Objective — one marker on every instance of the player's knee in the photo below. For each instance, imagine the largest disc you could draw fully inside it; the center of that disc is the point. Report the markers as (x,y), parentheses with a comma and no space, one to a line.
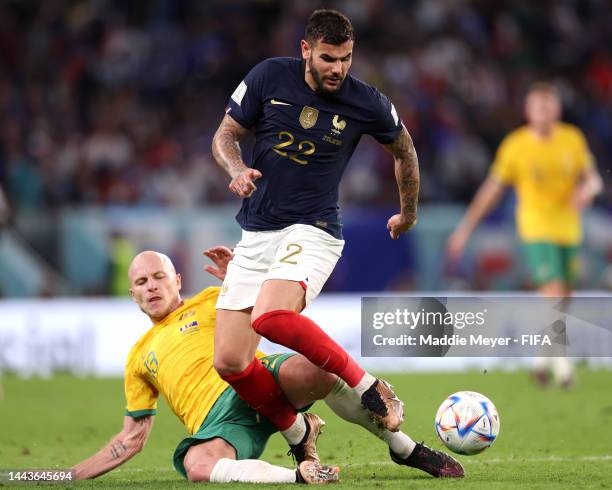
(318,382)
(314,383)
(278,295)
(227,364)
(201,460)
(199,472)
(259,313)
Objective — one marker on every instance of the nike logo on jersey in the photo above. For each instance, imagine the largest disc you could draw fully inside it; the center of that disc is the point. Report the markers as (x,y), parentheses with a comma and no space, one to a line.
(278,102)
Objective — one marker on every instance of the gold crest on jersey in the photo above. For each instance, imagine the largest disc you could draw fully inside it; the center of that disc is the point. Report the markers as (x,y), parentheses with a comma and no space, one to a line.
(308,117)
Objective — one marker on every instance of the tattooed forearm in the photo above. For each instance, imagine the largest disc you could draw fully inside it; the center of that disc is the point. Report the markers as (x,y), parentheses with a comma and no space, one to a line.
(122,447)
(406,173)
(118,449)
(225,146)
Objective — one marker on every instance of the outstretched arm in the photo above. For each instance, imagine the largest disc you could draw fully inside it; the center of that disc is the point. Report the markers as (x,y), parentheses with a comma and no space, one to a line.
(487,197)
(226,150)
(407,176)
(120,449)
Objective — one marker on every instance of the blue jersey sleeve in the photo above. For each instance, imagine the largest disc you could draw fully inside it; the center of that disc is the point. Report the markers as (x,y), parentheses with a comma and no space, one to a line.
(245,104)
(387,125)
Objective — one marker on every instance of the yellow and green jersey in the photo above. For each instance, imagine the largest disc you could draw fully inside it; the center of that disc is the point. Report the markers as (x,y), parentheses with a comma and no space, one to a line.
(545,174)
(175,358)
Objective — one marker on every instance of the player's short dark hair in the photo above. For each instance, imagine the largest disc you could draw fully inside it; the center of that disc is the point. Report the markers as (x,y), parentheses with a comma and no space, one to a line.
(544,87)
(329,26)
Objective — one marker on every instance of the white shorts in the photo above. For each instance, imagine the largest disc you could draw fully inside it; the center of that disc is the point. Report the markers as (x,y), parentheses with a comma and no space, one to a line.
(301,253)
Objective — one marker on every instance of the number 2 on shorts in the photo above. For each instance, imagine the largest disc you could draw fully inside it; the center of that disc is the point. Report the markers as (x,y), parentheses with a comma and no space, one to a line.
(294,249)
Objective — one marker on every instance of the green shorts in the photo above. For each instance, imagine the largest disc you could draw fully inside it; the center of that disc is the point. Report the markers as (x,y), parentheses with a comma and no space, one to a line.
(234,421)
(552,262)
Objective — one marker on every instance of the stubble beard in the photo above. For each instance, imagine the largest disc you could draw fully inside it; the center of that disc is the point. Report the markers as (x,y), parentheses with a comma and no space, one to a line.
(316,76)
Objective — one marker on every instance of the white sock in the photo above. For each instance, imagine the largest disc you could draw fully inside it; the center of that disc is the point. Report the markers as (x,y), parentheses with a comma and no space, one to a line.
(541,363)
(363,385)
(251,471)
(296,432)
(399,443)
(563,369)
(347,405)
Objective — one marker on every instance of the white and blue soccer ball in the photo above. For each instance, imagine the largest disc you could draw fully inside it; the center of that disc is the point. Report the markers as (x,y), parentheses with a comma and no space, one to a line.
(467,422)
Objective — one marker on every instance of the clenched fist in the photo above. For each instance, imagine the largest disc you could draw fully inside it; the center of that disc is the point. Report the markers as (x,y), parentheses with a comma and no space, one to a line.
(242,185)
(399,224)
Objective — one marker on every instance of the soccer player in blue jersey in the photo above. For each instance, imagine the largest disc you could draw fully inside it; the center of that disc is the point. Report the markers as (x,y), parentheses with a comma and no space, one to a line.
(308,116)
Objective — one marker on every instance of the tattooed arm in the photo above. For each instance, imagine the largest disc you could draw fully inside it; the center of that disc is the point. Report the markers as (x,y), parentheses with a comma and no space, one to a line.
(226,150)
(121,448)
(407,176)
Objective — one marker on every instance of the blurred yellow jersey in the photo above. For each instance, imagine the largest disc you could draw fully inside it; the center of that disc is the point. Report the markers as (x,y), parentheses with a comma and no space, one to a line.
(545,174)
(175,358)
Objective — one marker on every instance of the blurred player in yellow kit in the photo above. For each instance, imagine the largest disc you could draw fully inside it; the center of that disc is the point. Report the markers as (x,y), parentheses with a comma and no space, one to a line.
(549,164)
(175,358)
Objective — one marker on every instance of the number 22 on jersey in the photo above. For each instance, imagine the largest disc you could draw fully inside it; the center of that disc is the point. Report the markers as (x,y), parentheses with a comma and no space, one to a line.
(304,148)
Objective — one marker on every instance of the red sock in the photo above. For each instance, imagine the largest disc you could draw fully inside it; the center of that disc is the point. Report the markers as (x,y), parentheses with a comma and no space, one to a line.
(301,334)
(257,387)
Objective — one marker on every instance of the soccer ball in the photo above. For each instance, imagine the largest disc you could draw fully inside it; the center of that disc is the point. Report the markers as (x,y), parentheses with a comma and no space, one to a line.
(467,422)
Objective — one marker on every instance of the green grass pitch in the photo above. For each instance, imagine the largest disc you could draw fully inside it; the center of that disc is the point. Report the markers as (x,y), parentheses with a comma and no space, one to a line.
(548,439)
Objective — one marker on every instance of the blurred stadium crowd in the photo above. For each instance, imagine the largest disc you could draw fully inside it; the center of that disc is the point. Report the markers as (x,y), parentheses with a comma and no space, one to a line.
(115,102)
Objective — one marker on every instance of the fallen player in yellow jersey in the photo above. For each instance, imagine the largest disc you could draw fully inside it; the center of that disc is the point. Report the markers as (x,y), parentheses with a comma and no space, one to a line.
(175,358)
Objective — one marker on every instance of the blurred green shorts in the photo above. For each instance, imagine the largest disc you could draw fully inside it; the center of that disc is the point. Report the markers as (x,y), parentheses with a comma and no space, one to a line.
(552,262)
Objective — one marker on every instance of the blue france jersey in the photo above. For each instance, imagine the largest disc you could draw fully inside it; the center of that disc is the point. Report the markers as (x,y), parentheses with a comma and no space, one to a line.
(303,142)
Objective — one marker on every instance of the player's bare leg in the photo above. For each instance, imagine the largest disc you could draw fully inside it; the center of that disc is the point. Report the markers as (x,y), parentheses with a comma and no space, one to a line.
(231,358)
(200,460)
(236,363)
(303,382)
(215,461)
(276,317)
